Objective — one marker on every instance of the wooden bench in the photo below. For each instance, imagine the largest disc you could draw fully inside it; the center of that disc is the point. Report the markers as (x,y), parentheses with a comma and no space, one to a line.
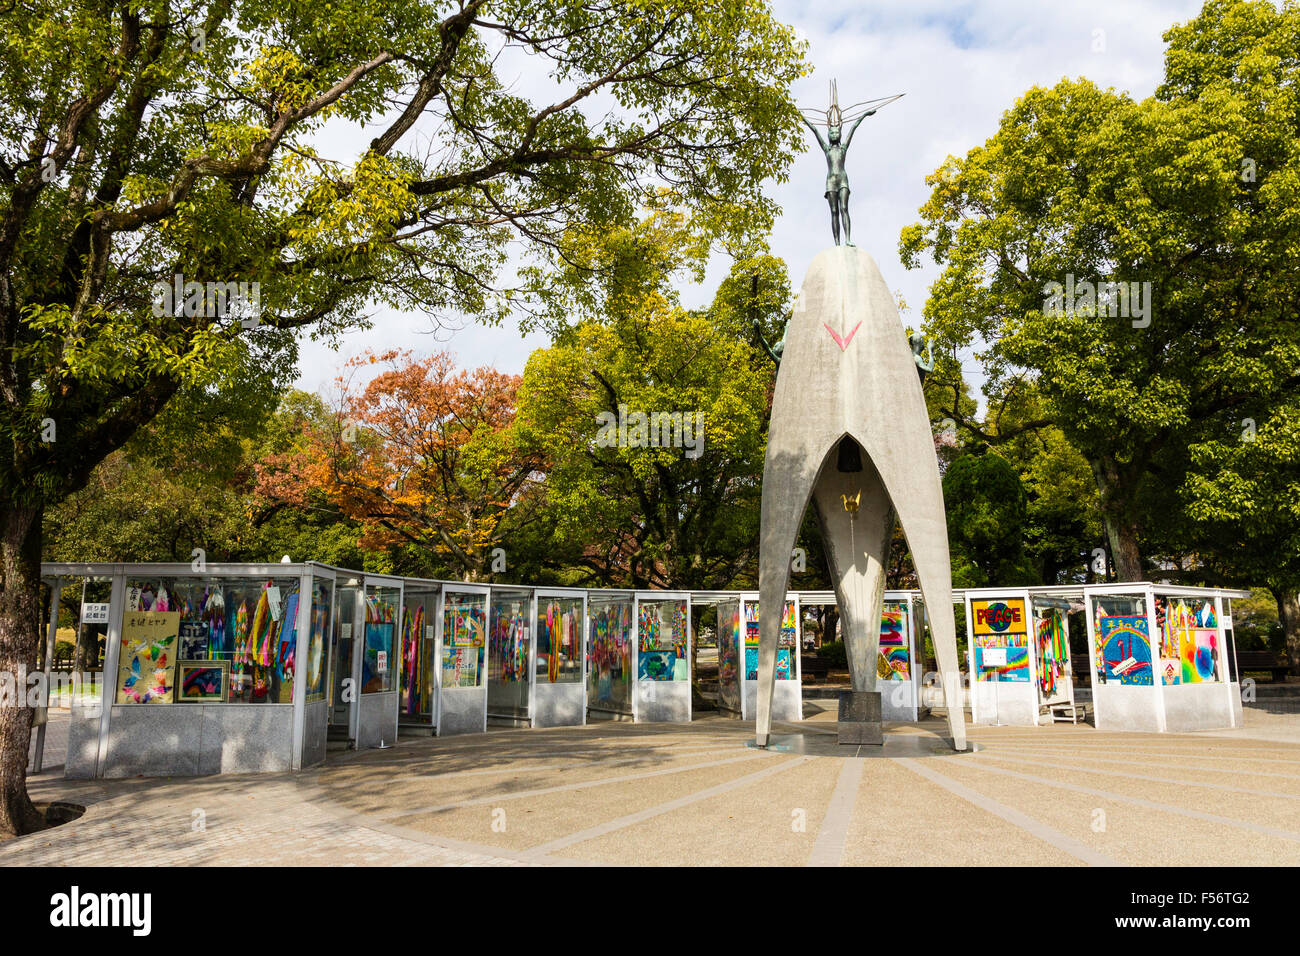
(1261,661)
(814,668)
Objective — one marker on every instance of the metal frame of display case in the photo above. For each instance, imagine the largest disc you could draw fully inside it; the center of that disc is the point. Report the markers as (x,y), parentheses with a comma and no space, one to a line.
(96,748)
(787,695)
(355,583)
(433,589)
(528,598)
(667,701)
(300,729)
(443,729)
(901,699)
(723,603)
(377,720)
(557,705)
(1214,704)
(597,598)
(1000,702)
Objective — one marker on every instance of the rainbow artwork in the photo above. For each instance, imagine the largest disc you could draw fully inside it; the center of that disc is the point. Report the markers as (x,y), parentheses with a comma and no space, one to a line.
(1189,642)
(892,664)
(203,681)
(893,661)
(1199,654)
(1053,652)
(1124,650)
(1015,670)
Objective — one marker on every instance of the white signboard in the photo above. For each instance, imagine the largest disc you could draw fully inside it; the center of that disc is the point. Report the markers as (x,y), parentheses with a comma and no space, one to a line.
(994,657)
(383,661)
(94,614)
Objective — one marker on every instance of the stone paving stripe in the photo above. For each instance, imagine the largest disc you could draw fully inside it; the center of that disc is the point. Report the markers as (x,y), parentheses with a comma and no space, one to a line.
(1071,768)
(1235,771)
(630,760)
(343,815)
(1053,837)
(542,791)
(1138,801)
(1172,752)
(619,823)
(831,835)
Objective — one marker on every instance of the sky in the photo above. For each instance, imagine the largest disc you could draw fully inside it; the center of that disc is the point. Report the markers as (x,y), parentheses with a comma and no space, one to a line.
(960,64)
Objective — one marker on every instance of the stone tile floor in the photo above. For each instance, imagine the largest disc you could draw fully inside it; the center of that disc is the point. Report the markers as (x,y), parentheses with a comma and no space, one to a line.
(697,795)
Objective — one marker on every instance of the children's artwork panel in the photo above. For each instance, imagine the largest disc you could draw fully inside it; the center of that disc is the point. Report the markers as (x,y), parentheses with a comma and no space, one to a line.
(788,642)
(662,641)
(893,662)
(146,668)
(1000,633)
(203,682)
(1123,648)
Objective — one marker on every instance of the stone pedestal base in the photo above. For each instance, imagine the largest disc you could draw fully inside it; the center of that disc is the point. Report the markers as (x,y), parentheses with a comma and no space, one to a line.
(859,718)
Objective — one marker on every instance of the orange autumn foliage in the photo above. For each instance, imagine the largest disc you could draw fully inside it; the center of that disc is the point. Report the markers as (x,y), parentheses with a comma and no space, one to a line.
(423,454)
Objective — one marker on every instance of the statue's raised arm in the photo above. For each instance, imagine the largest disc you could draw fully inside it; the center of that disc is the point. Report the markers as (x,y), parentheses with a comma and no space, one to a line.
(815,131)
(854,128)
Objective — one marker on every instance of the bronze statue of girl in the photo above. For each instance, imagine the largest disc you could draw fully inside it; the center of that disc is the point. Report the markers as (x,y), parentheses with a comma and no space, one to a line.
(837,179)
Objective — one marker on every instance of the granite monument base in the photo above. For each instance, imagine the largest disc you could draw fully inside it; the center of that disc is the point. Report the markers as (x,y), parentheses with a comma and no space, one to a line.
(859,718)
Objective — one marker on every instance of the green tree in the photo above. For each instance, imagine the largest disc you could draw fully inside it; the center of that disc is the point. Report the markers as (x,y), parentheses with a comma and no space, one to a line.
(625,509)
(1241,497)
(1195,191)
(168,493)
(985,504)
(141,142)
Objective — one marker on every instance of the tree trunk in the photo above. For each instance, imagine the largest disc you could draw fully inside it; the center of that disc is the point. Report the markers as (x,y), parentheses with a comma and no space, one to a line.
(1121,526)
(1288,613)
(829,624)
(1125,555)
(20,626)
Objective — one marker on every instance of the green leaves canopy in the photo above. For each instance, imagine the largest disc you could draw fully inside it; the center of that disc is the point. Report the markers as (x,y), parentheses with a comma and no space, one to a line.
(1195,190)
(145,140)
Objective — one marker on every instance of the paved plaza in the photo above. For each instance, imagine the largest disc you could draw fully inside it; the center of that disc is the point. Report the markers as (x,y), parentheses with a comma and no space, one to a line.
(696,794)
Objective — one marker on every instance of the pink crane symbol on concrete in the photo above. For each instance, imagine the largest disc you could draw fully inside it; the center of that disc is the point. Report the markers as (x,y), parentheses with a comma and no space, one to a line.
(843,343)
